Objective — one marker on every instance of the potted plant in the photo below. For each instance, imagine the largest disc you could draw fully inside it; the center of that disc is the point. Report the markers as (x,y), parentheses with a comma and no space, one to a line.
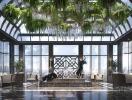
(19,65)
(115,65)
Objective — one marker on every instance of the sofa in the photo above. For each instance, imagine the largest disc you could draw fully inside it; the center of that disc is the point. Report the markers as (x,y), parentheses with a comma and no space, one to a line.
(32,78)
(121,80)
(12,79)
(97,77)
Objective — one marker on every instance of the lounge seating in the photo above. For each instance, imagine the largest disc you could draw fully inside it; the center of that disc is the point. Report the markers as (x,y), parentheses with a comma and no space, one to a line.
(121,80)
(12,79)
(96,77)
(6,80)
(32,78)
(128,78)
(49,77)
(118,80)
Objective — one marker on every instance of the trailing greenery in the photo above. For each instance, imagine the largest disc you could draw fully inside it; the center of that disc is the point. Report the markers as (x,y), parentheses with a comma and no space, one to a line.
(86,27)
(32,3)
(63,14)
(107,3)
(60,3)
(19,65)
(119,12)
(12,12)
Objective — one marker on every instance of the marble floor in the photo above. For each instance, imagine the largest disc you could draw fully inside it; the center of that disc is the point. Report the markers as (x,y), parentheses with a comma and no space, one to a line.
(97,92)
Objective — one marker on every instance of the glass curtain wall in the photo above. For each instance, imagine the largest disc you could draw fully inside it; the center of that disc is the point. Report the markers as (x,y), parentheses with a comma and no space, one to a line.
(65,50)
(114,52)
(115,57)
(127,57)
(96,58)
(37,59)
(4,57)
(16,53)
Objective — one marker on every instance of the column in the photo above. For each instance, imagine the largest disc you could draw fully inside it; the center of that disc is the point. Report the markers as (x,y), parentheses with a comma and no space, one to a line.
(11,58)
(109,62)
(80,51)
(51,58)
(80,58)
(119,57)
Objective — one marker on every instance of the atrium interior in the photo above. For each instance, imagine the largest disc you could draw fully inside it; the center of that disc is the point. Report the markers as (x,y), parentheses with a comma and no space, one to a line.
(66,49)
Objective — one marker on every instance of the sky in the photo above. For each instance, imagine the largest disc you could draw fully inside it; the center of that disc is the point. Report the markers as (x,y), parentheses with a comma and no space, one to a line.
(127,2)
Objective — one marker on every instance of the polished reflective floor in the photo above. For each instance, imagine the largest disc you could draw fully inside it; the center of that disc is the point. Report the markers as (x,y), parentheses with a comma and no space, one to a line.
(42,94)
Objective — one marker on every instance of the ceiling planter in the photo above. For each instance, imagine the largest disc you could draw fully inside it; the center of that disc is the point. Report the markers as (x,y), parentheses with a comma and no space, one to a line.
(65,15)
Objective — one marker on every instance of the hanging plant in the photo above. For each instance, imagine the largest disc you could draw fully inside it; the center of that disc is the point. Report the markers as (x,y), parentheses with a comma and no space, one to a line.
(30,23)
(106,3)
(11,12)
(35,25)
(86,27)
(55,20)
(60,4)
(32,3)
(70,8)
(65,26)
(47,8)
(77,17)
(80,1)
(119,12)
(57,13)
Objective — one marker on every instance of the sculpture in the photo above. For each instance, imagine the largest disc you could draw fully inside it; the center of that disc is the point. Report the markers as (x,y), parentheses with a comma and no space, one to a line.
(80,69)
(49,77)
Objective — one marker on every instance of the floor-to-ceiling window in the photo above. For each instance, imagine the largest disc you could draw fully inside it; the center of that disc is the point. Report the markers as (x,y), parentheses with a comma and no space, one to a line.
(36,59)
(65,50)
(4,57)
(16,54)
(114,52)
(96,58)
(127,57)
(115,60)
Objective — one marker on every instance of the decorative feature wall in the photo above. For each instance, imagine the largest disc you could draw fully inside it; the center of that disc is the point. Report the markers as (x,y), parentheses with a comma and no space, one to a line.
(66,66)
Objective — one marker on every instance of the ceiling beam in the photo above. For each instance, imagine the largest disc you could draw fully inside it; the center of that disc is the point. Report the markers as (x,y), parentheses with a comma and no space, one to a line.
(125,37)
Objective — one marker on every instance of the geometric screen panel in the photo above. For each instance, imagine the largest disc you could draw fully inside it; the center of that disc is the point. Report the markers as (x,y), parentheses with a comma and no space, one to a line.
(66,66)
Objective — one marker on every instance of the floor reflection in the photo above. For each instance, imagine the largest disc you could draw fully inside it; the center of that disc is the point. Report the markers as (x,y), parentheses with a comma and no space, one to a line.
(65,95)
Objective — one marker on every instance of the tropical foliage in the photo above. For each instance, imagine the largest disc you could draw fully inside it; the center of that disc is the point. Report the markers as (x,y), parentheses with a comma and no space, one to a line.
(114,65)
(19,65)
(64,14)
